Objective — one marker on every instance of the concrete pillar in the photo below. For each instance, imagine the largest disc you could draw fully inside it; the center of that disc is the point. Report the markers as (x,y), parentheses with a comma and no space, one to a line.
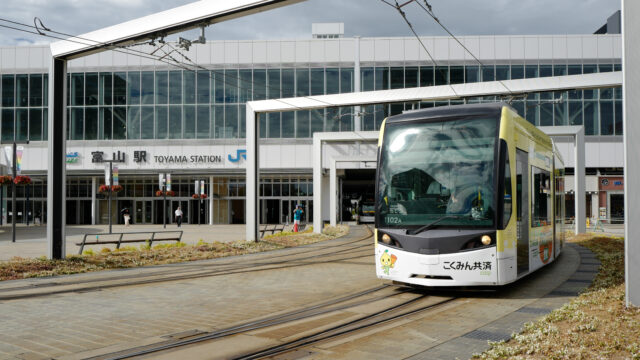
(631,88)
(93,200)
(333,194)
(56,172)
(210,200)
(253,175)
(579,178)
(317,183)
(357,119)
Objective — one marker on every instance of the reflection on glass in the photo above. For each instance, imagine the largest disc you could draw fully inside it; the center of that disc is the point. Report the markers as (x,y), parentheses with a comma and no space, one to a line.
(430,170)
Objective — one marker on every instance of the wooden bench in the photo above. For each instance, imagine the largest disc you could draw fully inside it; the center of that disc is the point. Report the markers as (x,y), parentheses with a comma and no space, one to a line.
(271,228)
(124,238)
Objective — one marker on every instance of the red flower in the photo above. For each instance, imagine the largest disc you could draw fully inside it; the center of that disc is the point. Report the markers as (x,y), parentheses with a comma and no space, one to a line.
(203,196)
(105,188)
(22,180)
(5,179)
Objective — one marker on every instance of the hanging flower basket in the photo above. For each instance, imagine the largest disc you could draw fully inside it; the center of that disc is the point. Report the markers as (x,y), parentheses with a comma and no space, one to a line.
(203,196)
(168,193)
(22,180)
(5,180)
(199,196)
(105,188)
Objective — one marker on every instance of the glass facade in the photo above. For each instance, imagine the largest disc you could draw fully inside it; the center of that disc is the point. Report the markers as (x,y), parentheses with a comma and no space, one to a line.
(181,104)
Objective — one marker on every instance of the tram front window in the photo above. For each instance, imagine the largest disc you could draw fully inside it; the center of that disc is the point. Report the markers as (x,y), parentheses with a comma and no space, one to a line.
(438,171)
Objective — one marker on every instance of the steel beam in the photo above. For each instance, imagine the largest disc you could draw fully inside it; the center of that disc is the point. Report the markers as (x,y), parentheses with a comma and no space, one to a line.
(56,177)
(631,88)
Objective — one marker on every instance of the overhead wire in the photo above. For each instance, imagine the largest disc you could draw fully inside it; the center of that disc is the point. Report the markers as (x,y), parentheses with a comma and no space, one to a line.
(173,62)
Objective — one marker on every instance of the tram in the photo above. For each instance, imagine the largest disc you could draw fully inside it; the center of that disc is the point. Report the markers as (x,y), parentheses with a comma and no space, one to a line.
(467,195)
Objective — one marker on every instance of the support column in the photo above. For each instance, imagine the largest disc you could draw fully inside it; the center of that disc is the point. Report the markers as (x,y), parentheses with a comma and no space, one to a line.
(56,176)
(333,194)
(210,200)
(579,178)
(357,126)
(253,175)
(93,200)
(317,183)
(631,88)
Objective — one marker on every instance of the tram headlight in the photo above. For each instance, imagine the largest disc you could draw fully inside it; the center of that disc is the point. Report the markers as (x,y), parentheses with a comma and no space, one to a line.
(386,239)
(486,240)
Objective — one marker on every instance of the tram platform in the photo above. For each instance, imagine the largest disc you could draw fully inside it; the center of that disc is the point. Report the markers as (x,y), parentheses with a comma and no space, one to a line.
(83,322)
(31,241)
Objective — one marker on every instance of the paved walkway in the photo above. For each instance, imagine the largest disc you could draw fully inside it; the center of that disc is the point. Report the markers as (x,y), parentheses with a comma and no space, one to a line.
(31,241)
(83,323)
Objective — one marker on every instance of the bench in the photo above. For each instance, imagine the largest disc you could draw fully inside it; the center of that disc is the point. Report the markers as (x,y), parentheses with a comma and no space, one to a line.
(124,238)
(271,228)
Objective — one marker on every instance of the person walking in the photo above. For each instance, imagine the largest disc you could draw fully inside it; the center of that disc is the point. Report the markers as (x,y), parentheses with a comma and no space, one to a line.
(126,216)
(178,214)
(297,215)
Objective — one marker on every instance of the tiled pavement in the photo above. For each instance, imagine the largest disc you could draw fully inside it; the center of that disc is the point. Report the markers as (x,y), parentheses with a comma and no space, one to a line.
(63,325)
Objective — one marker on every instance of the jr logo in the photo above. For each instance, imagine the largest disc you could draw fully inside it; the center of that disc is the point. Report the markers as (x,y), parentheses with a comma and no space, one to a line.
(241,153)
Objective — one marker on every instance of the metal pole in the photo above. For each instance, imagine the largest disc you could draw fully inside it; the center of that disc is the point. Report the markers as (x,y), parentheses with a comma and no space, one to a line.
(1,203)
(109,189)
(27,205)
(13,193)
(164,203)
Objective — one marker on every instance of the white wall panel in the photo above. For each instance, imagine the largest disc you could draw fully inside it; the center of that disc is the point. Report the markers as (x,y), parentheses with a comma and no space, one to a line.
(531,47)
(396,50)
(545,47)
(502,51)
(429,43)
(592,155)
(37,58)
(317,51)
(287,51)
(473,44)
(456,51)
(559,47)
(605,47)
(347,50)
(516,45)
(217,52)
(259,52)
(589,47)
(302,51)
(440,48)
(231,52)
(382,50)
(245,52)
(22,57)
(203,54)
(106,58)
(574,46)
(367,50)
(487,48)
(274,52)
(331,51)
(411,50)
(617,47)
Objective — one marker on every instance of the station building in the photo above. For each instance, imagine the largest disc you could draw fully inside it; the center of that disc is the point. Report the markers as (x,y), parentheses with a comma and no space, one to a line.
(188,120)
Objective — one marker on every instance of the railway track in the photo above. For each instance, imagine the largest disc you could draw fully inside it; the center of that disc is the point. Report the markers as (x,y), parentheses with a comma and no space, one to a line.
(307,255)
(347,316)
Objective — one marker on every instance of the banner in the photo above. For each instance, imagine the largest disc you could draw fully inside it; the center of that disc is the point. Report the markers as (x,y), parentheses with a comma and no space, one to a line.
(197,187)
(168,182)
(8,152)
(115,176)
(107,178)
(160,180)
(19,151)
(201,187)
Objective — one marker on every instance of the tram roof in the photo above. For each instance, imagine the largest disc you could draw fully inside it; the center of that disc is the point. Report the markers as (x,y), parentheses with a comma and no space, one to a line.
(491,109)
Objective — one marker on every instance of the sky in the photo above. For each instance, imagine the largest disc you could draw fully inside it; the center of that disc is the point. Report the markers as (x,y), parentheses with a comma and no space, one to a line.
(367,18)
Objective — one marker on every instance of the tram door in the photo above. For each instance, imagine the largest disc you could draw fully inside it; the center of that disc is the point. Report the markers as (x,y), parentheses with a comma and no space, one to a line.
(522,210)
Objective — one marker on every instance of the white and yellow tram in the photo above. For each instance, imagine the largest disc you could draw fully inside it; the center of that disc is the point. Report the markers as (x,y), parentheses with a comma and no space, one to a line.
(466,195)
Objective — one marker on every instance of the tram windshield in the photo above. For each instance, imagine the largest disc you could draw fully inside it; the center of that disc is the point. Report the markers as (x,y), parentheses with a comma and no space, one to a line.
(437,171)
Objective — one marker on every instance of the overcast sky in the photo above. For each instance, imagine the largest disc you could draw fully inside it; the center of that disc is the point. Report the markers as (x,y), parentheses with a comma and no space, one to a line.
(361,17)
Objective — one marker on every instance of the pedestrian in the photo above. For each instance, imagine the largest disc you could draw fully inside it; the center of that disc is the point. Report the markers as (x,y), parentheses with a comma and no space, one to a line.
(297,215)
(126,216)
(178,216)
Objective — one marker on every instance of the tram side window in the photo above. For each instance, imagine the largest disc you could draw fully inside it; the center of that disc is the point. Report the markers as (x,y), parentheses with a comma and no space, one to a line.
(541,198)
(506,216)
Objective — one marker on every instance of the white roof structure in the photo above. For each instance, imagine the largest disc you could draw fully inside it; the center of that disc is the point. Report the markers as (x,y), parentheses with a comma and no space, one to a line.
(444,92)
(201,13)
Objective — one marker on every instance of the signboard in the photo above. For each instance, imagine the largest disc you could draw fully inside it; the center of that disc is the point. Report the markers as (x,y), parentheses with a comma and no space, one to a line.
(19,151)
(168,182)
(603,213)
(201,187)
